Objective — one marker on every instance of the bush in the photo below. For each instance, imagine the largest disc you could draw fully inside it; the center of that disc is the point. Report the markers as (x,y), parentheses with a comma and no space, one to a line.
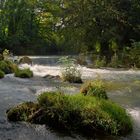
(23,73)
(133,55)
(100,62)
(70,71)
(7,66)
(75,112)
(95,88)
(1,74)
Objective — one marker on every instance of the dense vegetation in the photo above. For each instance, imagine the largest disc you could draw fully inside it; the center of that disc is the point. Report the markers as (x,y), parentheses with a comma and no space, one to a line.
(74,112)
(106,27)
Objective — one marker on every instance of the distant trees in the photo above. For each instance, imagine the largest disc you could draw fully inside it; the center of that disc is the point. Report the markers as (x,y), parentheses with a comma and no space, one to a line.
(41,26)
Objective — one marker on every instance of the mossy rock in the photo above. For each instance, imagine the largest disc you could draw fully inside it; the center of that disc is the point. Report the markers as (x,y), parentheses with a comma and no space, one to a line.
(23,73)
(25,60)
(95,88)
(74,112)
(72,79)
(7,66)
(1,74)
(22,111)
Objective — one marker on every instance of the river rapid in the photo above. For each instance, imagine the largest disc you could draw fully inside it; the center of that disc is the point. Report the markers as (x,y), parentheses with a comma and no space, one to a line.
(15,90)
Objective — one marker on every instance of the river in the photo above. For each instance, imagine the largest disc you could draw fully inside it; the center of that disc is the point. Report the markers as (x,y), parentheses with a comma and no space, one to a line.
(15,90)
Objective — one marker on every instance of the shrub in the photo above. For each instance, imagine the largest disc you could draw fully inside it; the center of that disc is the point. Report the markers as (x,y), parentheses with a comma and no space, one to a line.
(70,71)
(74,112)
(23,73)
(100,62)
(133,55)
(95,88)
(7,66)
(2,74)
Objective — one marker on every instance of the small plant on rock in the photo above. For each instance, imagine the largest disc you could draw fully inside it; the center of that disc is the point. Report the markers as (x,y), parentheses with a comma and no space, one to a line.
(70,71)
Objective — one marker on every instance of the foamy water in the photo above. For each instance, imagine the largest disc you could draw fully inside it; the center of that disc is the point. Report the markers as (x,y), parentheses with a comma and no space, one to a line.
(87,73)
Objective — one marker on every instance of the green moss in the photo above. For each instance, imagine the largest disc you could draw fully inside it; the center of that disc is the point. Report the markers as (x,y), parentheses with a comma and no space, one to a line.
(23,73)
(95,88)
(1,74)
(7,66)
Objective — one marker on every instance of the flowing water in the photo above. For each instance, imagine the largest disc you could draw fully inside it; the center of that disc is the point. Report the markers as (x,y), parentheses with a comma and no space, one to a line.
(15,90)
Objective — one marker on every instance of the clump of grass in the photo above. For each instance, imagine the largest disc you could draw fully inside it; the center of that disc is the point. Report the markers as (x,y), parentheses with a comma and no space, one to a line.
(95,88)
(74,112)
(23,73)
(1,74)
(79,112)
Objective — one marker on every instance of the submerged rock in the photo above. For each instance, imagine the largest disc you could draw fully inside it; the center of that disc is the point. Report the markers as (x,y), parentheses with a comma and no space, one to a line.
(25,60)
(57,77)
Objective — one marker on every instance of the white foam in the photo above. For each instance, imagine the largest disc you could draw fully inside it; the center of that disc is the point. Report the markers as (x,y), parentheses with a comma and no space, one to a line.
(42,70)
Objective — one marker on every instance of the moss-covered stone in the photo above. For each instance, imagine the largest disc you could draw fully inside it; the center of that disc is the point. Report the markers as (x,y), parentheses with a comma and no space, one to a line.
(22,111)
(26,60)
(23,73)
(71,79)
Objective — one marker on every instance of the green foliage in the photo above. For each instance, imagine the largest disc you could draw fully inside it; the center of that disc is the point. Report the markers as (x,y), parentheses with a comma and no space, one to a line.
(95,89)
(68,26)
(113,45)
(1,74)
(6,54)
(79,111)
(23,73)
(100,62)
(70,71)
(134,55)
(7,66)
